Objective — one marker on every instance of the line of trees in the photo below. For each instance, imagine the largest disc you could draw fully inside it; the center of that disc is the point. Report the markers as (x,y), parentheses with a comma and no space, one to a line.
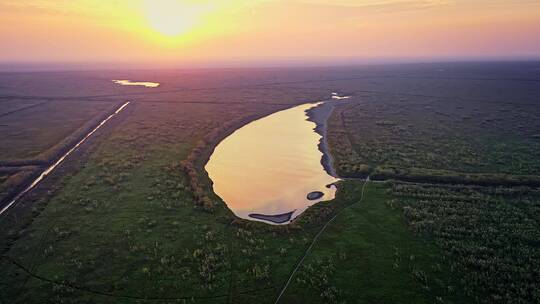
(192,170)
(196,186)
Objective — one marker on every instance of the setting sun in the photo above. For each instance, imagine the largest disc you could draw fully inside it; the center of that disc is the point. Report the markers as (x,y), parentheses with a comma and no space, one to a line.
(270,151)
(172,18)
(188,32)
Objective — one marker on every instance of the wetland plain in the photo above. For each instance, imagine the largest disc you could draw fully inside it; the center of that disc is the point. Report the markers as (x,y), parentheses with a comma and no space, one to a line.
(136,214)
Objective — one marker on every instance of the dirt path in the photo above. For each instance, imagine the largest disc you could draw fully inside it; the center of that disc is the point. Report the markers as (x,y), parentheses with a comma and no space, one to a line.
(315,240)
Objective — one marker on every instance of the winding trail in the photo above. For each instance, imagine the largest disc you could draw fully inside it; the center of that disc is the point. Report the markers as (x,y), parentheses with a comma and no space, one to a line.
(60,160)
(315,240)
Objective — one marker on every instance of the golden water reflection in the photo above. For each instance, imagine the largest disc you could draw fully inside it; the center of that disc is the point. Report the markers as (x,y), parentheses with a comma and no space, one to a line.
(126,82)
(270,165)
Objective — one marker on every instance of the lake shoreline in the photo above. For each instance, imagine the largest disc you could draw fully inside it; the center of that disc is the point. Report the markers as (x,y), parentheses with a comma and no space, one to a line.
(320,115)
(202,159)
(309,143)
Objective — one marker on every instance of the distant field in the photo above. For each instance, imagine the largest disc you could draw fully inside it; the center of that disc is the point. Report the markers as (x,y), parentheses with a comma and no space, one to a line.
(28,133)
(423,135)
(132,218)
(36,131)
(10,106)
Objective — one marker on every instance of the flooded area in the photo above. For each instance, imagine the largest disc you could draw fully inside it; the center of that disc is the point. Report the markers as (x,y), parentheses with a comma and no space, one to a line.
(266,169)
(146,84)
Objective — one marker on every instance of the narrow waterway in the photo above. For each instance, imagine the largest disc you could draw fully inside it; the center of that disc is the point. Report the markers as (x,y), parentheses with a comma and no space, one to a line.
(49,169)
(266,169)
(146,84)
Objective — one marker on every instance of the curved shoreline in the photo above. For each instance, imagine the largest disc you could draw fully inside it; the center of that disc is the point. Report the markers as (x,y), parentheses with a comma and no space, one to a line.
(209,144)
(230,128)
(320,115)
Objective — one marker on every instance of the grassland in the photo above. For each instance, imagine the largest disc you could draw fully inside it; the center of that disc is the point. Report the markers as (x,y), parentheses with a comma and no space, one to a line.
(369,256)
(142,236)
(473,170)
(423,138)
(132,218)
(37,131)
(491,235)
(126,226)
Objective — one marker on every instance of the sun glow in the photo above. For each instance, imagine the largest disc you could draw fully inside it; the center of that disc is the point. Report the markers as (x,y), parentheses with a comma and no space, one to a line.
(249,31)
(173,17)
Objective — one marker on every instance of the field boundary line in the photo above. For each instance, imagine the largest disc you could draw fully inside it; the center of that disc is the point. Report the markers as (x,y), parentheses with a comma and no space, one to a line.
(23,108)
(111,295)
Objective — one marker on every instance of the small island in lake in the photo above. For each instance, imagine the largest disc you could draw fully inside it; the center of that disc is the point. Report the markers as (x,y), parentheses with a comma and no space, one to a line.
(314,195)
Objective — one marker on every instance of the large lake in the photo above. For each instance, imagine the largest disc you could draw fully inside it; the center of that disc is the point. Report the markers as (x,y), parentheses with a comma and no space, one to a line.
(270,165)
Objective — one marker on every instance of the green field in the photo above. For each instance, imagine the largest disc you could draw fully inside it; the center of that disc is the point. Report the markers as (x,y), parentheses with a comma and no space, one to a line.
(131,217)
(463,141)
(126,225)
(30,133)
(490,234)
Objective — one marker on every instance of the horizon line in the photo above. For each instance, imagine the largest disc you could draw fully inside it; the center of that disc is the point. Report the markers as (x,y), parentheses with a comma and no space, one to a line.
(58,66)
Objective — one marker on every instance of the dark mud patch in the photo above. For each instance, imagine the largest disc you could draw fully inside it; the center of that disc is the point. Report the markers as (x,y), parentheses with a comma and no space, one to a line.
(276,218)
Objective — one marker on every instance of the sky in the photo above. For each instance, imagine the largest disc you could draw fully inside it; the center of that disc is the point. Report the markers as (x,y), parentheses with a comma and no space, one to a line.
(206,32)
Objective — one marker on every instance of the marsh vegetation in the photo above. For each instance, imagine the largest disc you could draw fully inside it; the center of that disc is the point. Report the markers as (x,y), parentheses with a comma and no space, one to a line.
(489,235)
(132,218)
(426,139)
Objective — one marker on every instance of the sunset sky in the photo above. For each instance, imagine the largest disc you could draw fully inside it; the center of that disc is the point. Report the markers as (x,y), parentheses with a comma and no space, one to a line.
(257,31)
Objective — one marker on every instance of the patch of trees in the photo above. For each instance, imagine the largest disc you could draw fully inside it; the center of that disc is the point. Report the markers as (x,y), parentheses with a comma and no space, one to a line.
(441,176)
(196,186)
(317,276)
(489,235)
(191,170)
